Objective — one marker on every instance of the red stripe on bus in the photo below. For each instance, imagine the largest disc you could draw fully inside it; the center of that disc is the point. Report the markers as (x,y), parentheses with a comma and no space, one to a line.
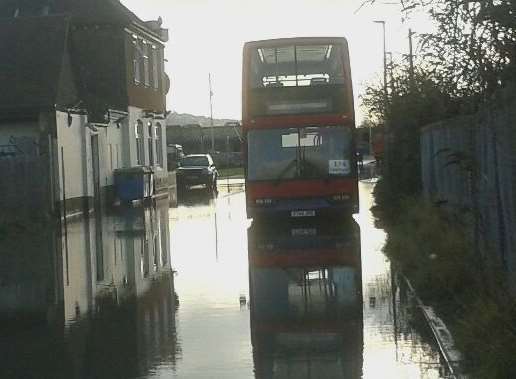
(297,120)
(300,188)
(300,258)
(304,326)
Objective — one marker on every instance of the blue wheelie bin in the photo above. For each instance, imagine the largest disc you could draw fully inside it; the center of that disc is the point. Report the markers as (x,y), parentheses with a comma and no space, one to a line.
(134,183)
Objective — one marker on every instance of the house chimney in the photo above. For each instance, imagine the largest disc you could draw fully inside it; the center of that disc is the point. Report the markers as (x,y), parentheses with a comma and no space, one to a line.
(155,26)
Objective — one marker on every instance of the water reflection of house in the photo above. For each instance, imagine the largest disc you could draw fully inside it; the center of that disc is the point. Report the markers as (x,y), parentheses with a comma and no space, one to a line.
(83,95)
(65,275)
(306,303)
(135,256)
(133,304)
(128,341)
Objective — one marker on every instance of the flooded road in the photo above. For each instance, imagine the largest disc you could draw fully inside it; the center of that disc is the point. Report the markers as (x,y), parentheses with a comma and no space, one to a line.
(397,344)
(199,291)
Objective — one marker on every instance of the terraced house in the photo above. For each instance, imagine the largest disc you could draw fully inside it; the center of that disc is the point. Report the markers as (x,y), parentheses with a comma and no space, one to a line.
(83,90)
(83,94)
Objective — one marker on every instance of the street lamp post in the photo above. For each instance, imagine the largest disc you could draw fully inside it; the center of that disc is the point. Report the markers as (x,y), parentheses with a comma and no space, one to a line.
(390,71)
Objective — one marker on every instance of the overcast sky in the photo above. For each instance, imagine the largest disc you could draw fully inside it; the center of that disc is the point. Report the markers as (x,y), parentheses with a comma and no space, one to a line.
(208,36)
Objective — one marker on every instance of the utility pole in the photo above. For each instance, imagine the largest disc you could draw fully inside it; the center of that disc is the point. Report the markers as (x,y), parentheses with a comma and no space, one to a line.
(411,59)
(370,127)
(385,100)
(384,63)
(211,115)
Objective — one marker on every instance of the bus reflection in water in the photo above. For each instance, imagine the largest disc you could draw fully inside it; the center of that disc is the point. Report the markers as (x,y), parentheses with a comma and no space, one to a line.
(306,301)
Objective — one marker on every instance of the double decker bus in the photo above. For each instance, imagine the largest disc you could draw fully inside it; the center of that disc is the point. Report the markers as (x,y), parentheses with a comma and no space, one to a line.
(298,122)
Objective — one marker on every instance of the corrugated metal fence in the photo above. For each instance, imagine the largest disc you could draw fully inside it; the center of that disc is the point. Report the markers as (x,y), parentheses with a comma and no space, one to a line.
(470,164)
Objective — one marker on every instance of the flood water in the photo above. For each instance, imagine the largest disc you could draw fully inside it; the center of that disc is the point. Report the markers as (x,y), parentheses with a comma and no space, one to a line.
(199,291)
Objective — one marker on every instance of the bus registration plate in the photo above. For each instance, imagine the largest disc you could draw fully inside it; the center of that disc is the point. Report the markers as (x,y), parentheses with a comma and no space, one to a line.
(304,232)
(310,213)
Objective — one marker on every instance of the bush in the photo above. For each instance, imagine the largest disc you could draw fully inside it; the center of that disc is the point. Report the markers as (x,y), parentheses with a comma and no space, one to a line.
(432,248)
(486,334)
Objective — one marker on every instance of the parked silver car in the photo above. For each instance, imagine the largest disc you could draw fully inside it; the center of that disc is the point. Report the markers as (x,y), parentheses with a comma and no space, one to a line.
(197,169)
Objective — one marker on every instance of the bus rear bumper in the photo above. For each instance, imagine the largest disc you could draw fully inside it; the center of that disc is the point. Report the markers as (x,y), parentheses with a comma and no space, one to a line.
(303,212)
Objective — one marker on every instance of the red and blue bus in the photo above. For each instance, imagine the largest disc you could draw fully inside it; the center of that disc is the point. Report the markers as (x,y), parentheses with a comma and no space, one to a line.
(298,122)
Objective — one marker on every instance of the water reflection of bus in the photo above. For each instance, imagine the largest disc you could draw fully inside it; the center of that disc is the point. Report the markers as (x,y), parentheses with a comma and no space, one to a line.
(298,120)
(306,303)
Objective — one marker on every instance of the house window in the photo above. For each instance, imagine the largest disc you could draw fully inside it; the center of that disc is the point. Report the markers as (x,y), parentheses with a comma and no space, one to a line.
(136,60)
(151,65)
(150,142)
(155,67)
(139,142)
(159,145)
(141,60)
(145,59)
(145,264)
(157,253)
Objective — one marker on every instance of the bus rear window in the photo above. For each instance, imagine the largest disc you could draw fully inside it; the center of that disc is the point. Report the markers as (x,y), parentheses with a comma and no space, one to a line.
(296,66)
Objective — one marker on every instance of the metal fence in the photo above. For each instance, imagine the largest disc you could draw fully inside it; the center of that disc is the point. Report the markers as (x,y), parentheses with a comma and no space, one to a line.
(24,186)
(469,163)
(27,257)
(227,144)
